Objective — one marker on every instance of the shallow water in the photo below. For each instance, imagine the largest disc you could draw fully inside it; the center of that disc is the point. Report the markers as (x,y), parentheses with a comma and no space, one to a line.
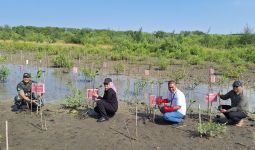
(57,86)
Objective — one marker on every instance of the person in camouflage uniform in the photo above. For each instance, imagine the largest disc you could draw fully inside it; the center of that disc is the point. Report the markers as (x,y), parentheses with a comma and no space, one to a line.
(24,92)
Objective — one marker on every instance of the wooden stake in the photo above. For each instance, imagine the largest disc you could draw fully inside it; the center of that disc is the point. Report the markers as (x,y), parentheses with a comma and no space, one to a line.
(136,121)
(41,119)
(7,142)
(199,116)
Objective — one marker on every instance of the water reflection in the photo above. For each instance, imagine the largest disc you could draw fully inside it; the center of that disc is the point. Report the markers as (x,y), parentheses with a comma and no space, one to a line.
(57,85)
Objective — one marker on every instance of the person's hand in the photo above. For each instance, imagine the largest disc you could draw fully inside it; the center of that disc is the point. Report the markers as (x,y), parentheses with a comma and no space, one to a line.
(95,94)
(160,101)
(223,110)
(39,94)
(168,108)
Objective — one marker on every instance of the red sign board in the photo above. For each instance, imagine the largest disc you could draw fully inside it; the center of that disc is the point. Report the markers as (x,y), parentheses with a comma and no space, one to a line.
(152,100)
(38,88)
(90,92)
(211,71)
(104,64)
(75,70)
(146,72)
(211,97)
(212,79)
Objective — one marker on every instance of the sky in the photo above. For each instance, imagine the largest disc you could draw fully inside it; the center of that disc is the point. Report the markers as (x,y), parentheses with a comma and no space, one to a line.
(212,16)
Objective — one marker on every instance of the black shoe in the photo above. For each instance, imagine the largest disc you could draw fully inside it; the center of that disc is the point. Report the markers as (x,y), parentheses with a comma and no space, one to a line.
(102,119)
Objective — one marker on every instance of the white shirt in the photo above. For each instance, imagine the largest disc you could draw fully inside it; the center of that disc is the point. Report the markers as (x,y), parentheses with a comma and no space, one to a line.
(178,99)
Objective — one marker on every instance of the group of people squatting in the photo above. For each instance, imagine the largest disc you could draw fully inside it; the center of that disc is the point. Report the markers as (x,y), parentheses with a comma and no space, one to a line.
(173,107)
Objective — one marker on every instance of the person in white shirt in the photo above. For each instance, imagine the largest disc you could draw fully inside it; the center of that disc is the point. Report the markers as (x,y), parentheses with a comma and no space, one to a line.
(175,109)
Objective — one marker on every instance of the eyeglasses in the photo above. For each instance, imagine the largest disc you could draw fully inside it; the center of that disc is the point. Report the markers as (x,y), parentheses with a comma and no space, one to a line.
(170,87)
(235,86)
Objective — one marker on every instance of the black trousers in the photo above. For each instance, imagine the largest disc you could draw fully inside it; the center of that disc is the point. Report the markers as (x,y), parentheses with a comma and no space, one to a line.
(235,116)
(104,109)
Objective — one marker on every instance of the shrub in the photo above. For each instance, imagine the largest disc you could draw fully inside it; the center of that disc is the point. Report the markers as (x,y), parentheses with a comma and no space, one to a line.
(163,63)
(210,129)
(74,99)
(119,67)
(62,61)
(195,60)
(90,73)
(3,58)
(39,55)
(4,72)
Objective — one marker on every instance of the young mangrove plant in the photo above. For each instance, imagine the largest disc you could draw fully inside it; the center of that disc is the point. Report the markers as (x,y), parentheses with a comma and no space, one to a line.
(178,74)
(3,58)
(210,129)
(61,61)
(4,73)
(163,63)
(89,73)
(74,99)
(119,67)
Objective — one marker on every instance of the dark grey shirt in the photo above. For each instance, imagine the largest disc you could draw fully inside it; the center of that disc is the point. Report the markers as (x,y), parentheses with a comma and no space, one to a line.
(238,101)
(25,87)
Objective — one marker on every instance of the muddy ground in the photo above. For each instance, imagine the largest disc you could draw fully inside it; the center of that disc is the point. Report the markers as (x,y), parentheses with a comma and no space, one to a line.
(67,131)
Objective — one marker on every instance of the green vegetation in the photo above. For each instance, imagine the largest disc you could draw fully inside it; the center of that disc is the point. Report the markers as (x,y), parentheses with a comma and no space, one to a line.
(4,72)
(74,99)
(3,58)
(62,61)
(159,49)
(210,129)
(89,73)
(1,138)
(119,67)
(39,73)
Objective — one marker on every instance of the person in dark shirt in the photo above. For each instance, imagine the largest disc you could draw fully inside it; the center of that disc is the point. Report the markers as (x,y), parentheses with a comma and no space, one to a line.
(107,105)
(238,109)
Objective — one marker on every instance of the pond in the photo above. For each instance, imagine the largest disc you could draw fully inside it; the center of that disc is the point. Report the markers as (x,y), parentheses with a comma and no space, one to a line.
(57,86)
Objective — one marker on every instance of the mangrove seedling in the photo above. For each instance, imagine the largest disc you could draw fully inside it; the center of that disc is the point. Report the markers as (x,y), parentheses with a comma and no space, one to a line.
(210,129)
(4,73)
(119,67)
(74,99)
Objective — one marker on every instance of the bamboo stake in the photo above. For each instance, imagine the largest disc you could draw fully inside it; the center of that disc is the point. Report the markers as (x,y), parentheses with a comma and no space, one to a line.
(136,121)
(31,101)
(7,142)
(41,119)
(45,125)
(199,116)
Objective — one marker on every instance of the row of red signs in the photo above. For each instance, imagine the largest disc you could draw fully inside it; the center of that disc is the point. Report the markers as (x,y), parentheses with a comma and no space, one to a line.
(40,88)
(211,97)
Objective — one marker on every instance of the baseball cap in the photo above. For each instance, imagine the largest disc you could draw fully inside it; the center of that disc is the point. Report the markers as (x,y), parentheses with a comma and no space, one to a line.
(26,75)
(107,80)
(237,83)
